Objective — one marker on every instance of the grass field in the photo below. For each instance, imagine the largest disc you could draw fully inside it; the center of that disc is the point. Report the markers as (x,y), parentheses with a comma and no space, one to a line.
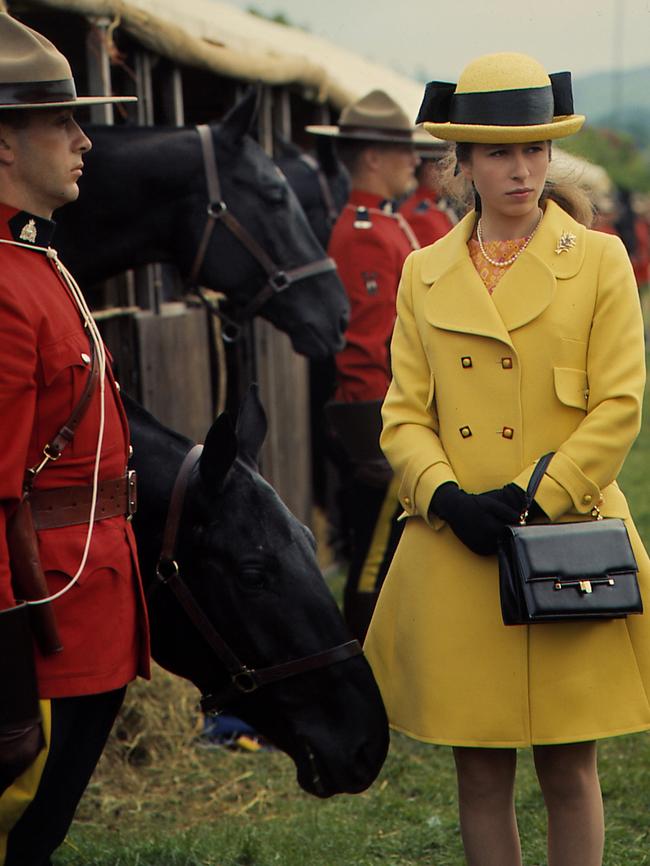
(159,800)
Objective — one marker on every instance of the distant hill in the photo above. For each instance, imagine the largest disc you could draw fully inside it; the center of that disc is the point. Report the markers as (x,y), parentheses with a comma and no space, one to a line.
(598,96)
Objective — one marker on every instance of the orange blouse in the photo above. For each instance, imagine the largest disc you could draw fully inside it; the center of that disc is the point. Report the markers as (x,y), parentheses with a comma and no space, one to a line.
(500,251)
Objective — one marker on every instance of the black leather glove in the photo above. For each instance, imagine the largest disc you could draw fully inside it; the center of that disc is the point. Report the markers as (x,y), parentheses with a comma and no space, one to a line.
(478,520)
(21,733)
(513,496)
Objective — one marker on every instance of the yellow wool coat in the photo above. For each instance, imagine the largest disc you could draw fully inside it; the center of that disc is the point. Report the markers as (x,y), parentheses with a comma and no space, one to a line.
(482,387)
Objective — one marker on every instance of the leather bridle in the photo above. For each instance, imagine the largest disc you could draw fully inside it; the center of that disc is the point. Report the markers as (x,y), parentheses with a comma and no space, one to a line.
(278,279)
(243,679)
(332,212)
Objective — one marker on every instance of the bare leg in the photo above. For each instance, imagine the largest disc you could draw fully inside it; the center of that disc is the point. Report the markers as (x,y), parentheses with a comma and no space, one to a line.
(486,783)
(568,776)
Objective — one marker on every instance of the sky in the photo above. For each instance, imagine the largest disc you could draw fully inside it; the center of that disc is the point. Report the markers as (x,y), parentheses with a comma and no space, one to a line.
(430,39)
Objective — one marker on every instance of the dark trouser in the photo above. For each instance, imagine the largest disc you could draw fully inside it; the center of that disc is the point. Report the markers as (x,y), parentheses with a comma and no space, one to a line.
(372,514)
(80,728)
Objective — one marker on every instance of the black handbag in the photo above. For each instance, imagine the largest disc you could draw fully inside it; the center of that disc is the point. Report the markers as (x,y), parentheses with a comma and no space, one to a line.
(551,572)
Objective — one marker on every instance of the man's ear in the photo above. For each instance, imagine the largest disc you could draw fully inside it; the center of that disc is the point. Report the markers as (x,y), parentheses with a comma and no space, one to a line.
(7,154)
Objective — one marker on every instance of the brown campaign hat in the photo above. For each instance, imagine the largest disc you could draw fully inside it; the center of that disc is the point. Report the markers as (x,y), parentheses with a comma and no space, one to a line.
(34,73)
(374,117)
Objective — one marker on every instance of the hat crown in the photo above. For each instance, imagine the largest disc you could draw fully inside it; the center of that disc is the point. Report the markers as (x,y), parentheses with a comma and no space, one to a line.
(27,56)
(375,110)
(506,70)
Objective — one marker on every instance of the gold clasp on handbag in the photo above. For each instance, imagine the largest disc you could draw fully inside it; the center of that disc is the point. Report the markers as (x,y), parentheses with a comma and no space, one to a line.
(585,585)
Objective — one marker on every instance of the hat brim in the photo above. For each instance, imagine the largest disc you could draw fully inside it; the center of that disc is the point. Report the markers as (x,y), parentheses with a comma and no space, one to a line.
(559,127)
(70,103)
(370,135)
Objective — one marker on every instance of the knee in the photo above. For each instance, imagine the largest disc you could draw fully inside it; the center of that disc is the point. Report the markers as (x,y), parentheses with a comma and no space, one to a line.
(485,779)
(566,779)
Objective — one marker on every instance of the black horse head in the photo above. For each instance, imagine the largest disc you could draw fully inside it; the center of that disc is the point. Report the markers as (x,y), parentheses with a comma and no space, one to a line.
(144,198)
(321,183)
(251,566)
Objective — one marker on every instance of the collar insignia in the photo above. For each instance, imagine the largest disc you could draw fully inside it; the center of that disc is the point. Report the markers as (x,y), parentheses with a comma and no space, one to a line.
(566,242)
(28,232)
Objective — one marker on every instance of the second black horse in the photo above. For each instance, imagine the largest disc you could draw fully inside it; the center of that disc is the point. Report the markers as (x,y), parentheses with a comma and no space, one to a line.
(250,566)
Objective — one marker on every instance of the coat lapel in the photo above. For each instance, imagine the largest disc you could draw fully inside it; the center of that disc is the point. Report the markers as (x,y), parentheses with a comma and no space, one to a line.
(458,300)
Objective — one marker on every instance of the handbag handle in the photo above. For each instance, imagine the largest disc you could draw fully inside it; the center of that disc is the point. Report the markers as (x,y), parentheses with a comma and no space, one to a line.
(533,483)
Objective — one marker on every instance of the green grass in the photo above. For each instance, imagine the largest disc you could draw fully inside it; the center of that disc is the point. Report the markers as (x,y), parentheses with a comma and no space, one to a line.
(219,808)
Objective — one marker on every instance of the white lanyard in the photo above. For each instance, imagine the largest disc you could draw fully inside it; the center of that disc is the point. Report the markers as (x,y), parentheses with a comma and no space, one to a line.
(98,343)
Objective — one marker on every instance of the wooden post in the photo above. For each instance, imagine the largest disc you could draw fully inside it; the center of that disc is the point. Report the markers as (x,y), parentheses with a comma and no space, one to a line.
(99,69)
(284,383)
(148,279)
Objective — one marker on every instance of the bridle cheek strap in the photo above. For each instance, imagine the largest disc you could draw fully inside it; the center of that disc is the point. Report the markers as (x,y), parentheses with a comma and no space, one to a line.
(278,280)
(243,680)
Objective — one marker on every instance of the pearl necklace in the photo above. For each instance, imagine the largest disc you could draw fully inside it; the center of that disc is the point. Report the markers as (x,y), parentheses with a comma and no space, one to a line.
(519,251)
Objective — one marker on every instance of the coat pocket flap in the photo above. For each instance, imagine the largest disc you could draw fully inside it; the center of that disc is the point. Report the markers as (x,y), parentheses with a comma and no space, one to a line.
(70,352)
(571,387)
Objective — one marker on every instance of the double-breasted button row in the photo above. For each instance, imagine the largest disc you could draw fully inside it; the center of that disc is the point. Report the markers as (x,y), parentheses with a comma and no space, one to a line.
(466,362)
(507,432)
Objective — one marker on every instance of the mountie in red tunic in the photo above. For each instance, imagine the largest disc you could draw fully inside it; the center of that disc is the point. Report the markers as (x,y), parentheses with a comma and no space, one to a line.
(369,244)
(44,365)
(427,220)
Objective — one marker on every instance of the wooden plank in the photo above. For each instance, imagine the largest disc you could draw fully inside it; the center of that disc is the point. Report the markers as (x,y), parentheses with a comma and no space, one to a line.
(284,389)
(174,366)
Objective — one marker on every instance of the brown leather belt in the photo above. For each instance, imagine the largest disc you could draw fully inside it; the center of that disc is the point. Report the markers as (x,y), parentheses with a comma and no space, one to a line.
(67,506)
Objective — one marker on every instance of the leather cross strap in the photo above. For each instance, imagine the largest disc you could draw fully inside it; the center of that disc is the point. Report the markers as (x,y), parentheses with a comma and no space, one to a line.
(55,447)
(69,506)
(278,279)
(243,680)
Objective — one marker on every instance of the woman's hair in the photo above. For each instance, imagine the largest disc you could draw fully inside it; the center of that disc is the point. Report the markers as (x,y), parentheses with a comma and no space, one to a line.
(563,191)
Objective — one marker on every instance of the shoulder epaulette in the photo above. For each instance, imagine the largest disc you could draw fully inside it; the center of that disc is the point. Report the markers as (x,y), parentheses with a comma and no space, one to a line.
(362,219)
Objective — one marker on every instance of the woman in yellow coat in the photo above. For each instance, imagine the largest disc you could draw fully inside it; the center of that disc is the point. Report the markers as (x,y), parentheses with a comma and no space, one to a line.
(518,333)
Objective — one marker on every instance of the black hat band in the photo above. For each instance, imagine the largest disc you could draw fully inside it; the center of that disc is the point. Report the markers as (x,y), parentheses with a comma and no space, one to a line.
(375,131)
(503,107)
(525,106)
(25,93)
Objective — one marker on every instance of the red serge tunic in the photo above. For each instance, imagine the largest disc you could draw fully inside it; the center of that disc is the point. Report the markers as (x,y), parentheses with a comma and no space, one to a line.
(426,219)
(44,365)
(369,246)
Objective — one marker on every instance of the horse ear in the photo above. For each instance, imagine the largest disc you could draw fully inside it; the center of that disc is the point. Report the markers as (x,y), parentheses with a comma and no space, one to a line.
(219,453)
(239,120)
(327,158)
(283,149)
(251,426)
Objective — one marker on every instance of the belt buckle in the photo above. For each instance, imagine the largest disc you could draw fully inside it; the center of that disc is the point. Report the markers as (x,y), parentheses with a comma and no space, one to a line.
(131,494)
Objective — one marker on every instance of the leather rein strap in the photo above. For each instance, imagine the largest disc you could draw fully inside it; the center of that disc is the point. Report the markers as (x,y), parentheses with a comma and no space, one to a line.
(278,280)
(243,680)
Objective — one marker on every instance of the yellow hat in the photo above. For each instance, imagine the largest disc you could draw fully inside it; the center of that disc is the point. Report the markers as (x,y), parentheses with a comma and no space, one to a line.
(34,73)
(499,99)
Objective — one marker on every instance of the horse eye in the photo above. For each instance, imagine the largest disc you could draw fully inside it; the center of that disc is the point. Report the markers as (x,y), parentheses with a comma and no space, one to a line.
(276,194)
(253,577)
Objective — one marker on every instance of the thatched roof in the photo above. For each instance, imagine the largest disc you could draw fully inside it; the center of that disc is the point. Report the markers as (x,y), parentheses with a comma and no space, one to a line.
(226,40)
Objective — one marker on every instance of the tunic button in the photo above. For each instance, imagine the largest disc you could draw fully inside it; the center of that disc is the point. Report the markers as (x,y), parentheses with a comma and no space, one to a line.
(587,498)
(506,363)
(117,385)
(465,432)
(85,358)
(507,432)
(130,451)
(407,501)
(466,361)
